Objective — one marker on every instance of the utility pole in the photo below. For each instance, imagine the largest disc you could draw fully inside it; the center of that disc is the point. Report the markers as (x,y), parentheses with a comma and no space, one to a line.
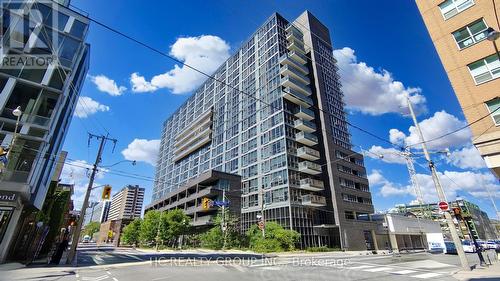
(440,192)
(78,228)
(223,224)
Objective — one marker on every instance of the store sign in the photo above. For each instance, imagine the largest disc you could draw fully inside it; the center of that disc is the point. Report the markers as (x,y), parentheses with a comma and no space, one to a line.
(8,196)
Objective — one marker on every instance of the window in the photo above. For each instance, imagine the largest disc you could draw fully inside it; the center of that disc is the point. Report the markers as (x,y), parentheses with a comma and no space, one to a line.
(493,107)
(485,69)
(470,34)
(450,8)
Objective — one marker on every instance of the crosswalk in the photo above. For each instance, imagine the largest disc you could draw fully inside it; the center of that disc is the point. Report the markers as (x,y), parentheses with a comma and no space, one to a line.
(393,270)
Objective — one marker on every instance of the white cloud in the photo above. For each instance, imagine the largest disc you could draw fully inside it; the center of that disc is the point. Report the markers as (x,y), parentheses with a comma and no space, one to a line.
(87,106)
(372,92)
(106,85)
(466,158)
(454,184)
(387,188)
(205,53)
(142,150)
(76,172)
(388,155)
(435,126)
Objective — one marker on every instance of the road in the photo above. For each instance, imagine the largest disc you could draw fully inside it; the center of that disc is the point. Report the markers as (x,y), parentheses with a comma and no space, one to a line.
(107,264)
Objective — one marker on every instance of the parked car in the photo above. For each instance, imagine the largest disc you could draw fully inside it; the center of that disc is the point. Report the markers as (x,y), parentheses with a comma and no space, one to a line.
(468,246)
(482,244)
(450,247)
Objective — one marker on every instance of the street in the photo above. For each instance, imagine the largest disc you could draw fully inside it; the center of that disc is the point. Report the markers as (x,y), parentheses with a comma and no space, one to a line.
(128,264)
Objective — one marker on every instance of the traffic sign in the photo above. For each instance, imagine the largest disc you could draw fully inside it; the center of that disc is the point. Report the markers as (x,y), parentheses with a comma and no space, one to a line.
(221,203)
(443,206)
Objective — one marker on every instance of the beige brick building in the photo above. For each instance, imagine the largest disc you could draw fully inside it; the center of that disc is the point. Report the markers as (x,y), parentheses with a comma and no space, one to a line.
(458,31)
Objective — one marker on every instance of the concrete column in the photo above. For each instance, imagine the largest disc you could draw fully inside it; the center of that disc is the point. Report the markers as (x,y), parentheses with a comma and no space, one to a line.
(374,237)
(394,242)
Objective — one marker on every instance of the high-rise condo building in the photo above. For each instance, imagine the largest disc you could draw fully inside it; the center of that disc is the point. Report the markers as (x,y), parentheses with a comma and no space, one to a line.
(44,61)
(459,31)
(127,203)
(274,114)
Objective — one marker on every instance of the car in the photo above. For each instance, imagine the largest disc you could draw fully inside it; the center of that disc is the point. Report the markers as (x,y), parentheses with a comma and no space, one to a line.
(450,247)
(482,244)
(468,246)
(492,245)
(86,239)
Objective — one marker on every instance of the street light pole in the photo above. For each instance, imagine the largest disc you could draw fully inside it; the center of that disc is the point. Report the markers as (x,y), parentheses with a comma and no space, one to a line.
(492,35)
(18,113)
(440,192)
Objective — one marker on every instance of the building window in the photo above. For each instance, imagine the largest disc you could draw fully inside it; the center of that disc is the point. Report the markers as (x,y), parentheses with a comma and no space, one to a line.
(349,215)
(485,69)
(493,107)
(450,8)
(470,34)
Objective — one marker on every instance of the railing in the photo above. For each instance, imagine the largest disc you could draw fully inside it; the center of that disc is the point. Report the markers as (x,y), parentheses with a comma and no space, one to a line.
(309,165)
(304,111)
(308,150)
(311,199)
(307,136)
(26,118)
(308,124)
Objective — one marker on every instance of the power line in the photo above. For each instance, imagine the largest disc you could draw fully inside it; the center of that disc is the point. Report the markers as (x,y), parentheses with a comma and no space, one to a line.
(155,50)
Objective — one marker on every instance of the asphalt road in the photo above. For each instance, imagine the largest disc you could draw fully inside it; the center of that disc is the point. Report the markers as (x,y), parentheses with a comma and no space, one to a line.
(208,267)
(109,264)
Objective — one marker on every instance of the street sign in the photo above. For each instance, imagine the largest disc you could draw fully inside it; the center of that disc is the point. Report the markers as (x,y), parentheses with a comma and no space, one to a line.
(221,203)
(443,206)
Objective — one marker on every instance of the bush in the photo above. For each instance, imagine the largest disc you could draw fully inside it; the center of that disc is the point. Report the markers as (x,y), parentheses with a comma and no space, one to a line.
(132,232)
(276,239)
(212,239)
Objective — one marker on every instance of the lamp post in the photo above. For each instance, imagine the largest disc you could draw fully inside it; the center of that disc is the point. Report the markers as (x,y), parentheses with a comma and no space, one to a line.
(493,35)
(18,113)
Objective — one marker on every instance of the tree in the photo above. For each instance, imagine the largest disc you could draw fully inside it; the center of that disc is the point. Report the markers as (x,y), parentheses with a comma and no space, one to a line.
(149,227)
(131,232)
(215,237)
(92,228)
(276,238)
(177,223)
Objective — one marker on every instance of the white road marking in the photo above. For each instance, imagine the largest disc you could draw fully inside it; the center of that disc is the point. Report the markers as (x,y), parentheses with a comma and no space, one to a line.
(403,272)
(361,266)
(115,279)
(107,271)
(426,275)
(377,269)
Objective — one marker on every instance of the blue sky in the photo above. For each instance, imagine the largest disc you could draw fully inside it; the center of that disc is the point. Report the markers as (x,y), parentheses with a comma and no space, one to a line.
(384,52)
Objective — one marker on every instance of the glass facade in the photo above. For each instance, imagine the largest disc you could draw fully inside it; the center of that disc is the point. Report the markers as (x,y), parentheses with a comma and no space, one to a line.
(264,126)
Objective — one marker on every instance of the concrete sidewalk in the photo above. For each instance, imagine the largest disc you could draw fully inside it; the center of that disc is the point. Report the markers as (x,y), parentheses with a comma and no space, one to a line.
(489,273)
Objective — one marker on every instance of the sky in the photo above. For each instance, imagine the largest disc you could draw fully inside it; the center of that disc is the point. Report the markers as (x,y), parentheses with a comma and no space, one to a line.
(384,54)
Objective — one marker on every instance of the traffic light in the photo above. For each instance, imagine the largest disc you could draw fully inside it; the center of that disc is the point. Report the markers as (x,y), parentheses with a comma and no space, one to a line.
(205,203)
(106,192)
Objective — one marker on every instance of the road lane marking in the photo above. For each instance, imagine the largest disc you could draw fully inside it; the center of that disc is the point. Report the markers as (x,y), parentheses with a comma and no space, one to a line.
(426,275)
(361,266)
(115,279)
(377,269)
(402,272)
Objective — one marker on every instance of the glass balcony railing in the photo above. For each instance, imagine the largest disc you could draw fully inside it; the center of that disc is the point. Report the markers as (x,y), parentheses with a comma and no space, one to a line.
(312,183)
(293,72)
(292,83)
(308,153)
(313,200)
(297,98)
(305,126)
(306,138)
(26,118)
(304,113)
(309,168)
(286,59)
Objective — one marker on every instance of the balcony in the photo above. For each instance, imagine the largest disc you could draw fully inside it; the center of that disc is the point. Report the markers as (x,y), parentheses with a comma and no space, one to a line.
(286,60)
(306,138)
(308,153)
(297,97)
(313,200)
(294,33)
(312,184)
(26,118)
(293,72)
(297,57)
(309,168)
(296,45)
(205,220)
(305,126)
(296,85)
(304,113)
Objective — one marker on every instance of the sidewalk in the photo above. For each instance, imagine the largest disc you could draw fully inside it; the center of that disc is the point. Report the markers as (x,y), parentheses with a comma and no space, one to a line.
(490,273)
